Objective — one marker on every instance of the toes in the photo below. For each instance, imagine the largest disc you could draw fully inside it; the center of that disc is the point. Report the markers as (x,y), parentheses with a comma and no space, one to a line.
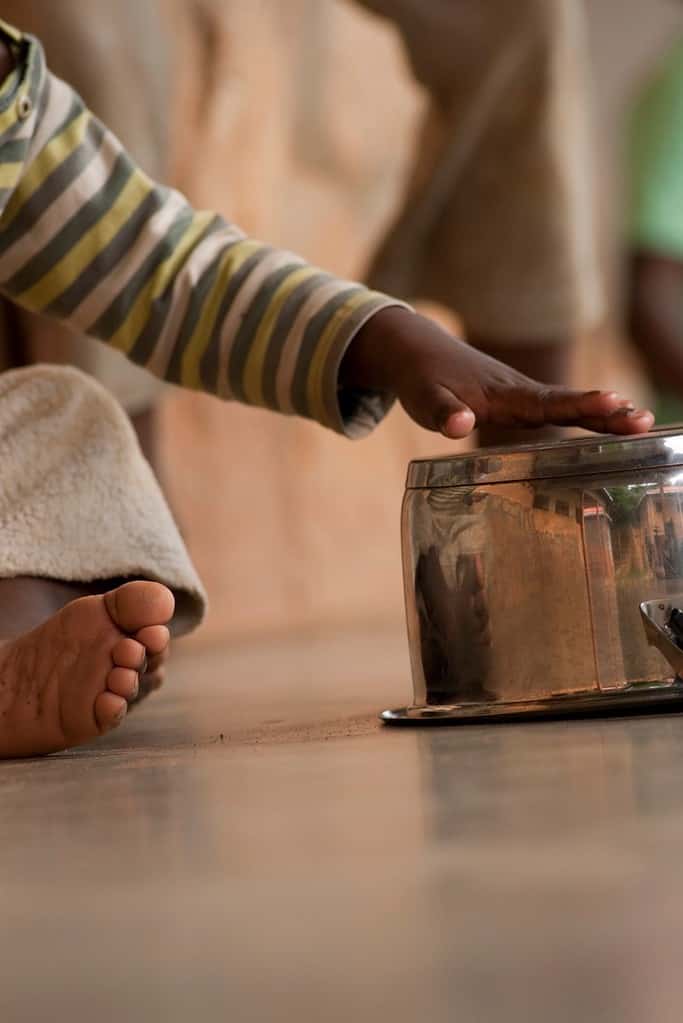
(155,662)
(129,653)
(148,685)
(110,710)
(136,605)
(123,682)
(155,639)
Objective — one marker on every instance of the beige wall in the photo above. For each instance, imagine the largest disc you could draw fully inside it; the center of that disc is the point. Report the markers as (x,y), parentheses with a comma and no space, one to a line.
(304,143)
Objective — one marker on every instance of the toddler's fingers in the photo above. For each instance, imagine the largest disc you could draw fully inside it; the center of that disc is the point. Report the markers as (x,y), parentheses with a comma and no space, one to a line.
(454,418)
(623,422)
(563,406)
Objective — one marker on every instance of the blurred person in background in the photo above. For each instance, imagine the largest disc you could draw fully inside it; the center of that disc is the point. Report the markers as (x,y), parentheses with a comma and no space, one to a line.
(497,222)
(655,232)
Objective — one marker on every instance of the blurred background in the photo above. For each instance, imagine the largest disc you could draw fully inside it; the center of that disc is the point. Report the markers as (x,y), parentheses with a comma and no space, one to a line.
(298,120)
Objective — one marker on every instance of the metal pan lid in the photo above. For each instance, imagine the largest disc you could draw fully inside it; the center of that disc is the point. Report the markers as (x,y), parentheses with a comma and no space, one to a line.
(583,456)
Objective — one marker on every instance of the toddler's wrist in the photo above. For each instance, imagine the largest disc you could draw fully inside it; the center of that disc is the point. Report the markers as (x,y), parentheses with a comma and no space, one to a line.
(373,359)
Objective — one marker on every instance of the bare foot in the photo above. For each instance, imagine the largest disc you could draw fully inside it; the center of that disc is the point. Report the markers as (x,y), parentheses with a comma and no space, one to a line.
(72,678)
(26,603)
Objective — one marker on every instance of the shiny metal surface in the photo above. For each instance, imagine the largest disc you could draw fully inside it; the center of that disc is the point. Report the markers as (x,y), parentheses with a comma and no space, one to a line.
(529,591)
(636,697)
(574,457)
(657,620)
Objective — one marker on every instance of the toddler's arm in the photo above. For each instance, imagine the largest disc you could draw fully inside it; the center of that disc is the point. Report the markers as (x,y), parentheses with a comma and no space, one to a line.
(87,238)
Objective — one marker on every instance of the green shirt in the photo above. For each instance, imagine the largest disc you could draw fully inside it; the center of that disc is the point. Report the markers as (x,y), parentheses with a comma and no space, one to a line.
(656,161)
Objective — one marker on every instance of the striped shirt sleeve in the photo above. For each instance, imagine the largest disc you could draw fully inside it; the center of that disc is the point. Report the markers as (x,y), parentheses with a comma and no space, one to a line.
(86,237)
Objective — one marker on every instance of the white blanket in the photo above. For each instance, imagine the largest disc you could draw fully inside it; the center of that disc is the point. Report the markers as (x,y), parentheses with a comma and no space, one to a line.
(78,501)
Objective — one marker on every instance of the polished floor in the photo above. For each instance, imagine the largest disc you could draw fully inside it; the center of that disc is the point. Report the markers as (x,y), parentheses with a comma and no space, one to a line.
(253,847)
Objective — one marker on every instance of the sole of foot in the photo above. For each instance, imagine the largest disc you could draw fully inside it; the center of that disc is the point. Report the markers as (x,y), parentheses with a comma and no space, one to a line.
(72,679)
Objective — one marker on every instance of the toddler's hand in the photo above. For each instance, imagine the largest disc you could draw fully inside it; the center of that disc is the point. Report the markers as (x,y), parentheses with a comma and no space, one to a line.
(446,385)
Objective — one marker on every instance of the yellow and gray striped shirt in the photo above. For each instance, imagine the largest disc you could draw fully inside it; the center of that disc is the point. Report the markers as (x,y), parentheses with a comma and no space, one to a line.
(86,237)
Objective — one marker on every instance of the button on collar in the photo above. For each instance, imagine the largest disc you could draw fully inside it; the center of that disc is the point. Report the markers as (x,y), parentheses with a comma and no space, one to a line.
(24,107)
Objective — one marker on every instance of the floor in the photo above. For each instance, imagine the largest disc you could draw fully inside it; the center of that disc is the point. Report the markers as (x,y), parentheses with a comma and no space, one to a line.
(252,846)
